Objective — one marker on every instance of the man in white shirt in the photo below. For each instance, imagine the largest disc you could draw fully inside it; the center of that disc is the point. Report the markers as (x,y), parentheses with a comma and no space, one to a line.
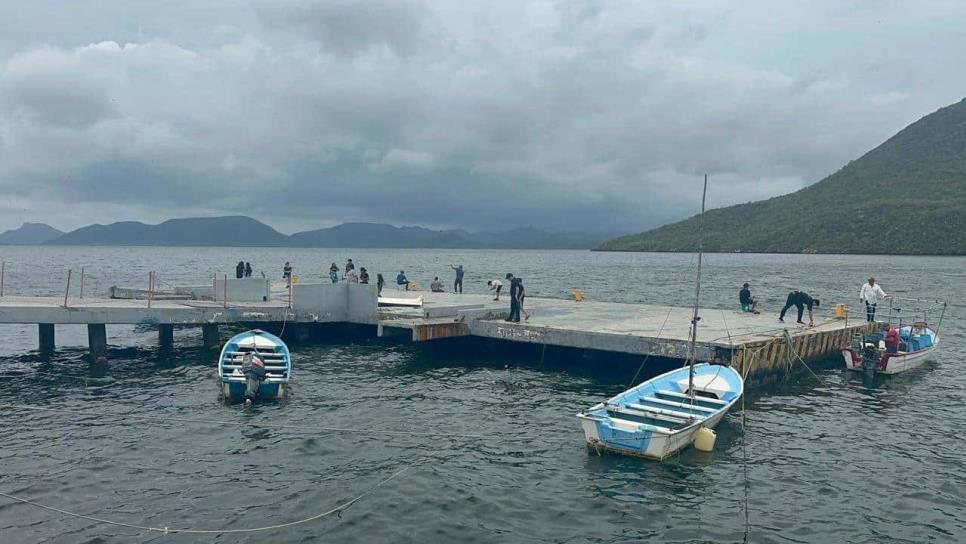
(495,285)
(871,294)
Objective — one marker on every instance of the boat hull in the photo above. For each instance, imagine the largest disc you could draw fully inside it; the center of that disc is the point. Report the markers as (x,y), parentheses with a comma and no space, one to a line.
(656,419)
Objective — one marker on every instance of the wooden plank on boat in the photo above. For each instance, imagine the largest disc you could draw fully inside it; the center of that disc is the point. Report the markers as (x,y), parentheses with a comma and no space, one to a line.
(647,414)
(677,395)
(633,426)
(674,404)
(666,412)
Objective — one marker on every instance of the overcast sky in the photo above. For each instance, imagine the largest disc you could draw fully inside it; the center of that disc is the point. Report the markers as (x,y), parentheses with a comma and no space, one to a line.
(582,115)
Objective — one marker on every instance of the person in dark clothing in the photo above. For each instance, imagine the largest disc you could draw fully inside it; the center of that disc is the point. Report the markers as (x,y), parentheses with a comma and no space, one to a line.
(287,273)
(349,265)
(800,300)
(380,281)
(363,275)
(521,295)
(514,300)
(248,270)
(402,280)
(240,269)
(458,282)
(748,302)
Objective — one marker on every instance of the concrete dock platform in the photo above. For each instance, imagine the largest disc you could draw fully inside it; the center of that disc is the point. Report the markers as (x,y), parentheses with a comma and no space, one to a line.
(757,344)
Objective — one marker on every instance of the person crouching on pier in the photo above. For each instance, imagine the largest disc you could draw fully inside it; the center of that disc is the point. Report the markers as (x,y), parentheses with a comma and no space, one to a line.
(800,300)
(495,285)
(748,302)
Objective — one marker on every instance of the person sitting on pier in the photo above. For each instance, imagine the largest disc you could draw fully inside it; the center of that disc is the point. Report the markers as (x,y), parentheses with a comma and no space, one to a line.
(799,299)
(748,302)
(240,270)
(436,286)
(402,280)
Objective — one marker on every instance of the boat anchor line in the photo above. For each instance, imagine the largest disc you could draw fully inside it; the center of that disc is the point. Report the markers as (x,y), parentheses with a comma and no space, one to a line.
(167,529)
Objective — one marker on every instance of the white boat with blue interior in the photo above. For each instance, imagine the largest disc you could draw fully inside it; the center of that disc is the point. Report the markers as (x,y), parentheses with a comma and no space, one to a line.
(254,364)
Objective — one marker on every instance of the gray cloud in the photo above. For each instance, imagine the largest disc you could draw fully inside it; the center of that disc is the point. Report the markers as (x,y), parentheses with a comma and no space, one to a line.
(562,115)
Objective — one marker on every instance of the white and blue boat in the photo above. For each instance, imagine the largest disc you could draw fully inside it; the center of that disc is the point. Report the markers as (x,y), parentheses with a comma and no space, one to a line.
(659,417)
(254,364)
(666,414)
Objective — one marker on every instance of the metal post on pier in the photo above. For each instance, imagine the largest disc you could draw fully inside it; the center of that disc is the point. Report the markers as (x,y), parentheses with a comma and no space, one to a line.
(67,292)
(225,297)
(290,294)
(3,270)
(82,283)
(150,287)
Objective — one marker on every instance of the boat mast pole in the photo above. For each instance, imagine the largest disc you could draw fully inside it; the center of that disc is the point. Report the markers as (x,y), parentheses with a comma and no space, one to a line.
(697,293)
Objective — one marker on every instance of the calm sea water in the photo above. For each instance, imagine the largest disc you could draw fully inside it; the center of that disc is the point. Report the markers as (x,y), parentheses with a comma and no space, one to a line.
(840,458)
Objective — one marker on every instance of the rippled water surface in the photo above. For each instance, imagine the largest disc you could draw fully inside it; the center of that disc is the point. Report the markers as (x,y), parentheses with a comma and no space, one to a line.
(840,458)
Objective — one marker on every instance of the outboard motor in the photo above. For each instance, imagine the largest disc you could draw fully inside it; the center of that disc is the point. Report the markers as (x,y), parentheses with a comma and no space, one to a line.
(254,370)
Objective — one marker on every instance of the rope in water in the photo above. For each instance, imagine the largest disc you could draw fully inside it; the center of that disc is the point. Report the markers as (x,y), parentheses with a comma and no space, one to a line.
(337,510)
(303,428)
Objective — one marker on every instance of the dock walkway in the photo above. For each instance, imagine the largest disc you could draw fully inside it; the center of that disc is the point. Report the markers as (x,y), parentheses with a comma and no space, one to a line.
(756,343)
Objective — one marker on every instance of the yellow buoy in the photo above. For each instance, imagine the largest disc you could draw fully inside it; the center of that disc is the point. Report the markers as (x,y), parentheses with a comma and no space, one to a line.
(704,440)
(840,311)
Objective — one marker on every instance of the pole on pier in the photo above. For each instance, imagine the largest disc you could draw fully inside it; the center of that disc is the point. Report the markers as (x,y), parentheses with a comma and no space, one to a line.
(82,283)
(67,292)
(290,293)
(45,338)
(150,287)
(225,297)
(209,335)
(97,341)
(166,336)
(3,270)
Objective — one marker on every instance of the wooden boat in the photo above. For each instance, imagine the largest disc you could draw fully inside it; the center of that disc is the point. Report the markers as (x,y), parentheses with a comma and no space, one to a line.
(659,417)
(240,372)
(666,414)
(868,353)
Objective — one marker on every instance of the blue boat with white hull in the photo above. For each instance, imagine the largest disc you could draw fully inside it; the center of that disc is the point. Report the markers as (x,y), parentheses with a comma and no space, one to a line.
(254,364)
(659,417)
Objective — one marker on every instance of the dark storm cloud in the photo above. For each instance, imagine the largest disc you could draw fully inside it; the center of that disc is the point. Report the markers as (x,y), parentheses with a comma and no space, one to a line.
(563,115)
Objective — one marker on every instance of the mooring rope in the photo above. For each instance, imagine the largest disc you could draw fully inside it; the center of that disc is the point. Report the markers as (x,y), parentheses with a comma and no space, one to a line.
(337,510)
(303,428)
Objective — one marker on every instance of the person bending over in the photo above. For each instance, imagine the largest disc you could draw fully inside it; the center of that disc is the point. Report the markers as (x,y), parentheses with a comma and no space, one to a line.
(800,300)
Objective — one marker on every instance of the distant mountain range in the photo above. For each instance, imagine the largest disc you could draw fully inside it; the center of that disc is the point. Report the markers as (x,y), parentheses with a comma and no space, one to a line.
(906,196)
(30,234)
(245,231)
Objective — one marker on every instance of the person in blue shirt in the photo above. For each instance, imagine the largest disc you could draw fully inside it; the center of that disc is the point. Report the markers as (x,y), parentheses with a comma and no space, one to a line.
(402,281)
(458,282)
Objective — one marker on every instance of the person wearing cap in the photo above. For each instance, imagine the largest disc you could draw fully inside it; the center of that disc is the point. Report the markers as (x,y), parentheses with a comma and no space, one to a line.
(748,302)
(800,300)
(871,293)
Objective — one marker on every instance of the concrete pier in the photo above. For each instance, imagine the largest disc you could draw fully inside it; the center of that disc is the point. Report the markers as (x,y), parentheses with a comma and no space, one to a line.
(97,340)
(45,338)
(757,344)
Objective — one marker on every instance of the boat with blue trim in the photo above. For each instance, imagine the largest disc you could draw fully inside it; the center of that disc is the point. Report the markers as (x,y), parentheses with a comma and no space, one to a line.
(872,352)
(660,416)
(254,364)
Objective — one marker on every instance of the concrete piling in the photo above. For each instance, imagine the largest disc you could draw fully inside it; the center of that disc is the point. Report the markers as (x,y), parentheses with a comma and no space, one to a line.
(209,336)
(97,341)
(166,336)
(46,337)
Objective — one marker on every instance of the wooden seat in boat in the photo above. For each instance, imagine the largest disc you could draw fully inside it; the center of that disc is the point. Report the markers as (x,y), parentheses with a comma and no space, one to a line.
(679,405)
(676,395)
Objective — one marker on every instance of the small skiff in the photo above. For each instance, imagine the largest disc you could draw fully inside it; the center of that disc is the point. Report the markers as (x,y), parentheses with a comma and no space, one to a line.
(659,417)
(254,364)
(868,353)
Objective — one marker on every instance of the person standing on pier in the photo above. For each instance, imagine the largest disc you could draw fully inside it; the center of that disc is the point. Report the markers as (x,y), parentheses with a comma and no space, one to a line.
(380,282)
(514,301)
(521,295)
(349,266)
(287,273)
(240,270)
(799,299)
(871,293)
(334,273)
(458,282)
(248,270)
(363,275)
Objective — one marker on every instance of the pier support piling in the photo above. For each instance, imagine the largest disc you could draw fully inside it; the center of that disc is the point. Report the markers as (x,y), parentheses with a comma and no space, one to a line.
(97,340)
(166,336)
(46,337)
(209,336)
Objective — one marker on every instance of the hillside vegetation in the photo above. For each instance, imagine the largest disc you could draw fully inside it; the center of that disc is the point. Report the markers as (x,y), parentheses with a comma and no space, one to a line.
(906,196)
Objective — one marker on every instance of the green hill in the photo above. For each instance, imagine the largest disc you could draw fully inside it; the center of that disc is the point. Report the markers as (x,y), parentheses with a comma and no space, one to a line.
(906,196)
